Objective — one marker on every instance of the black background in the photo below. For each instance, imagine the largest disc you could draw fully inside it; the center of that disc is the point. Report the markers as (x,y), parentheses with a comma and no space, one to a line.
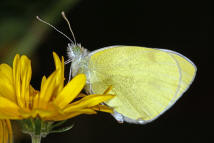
(184,27)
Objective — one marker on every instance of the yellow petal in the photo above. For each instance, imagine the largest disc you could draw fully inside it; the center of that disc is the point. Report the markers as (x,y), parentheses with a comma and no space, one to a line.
(22,75)
(5,131)
(88,101)
(66,116)
(81,95)
(70,91)
(8,109)
(16,79)
(51,110)
(26,73)
(43,81)
(47,89)
(33,94)
(57,61)
(35,102)
(102,108)
(2,130)
(59,66)
(107,90)
(6,82)
(6,70)
(37,113)
(15,65)
(10,131)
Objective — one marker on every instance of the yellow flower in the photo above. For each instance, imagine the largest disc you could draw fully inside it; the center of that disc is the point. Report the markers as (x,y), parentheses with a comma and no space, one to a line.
(54,101)
(5,131)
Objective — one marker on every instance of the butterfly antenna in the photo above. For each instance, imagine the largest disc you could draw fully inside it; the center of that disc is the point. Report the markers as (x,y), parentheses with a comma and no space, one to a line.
(37,17)
(69,25)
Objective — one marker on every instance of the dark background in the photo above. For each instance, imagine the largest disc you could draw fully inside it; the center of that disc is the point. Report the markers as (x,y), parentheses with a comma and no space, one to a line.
(184,27)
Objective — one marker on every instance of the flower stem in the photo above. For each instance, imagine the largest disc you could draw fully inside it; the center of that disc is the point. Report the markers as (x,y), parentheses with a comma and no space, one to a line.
(36,138)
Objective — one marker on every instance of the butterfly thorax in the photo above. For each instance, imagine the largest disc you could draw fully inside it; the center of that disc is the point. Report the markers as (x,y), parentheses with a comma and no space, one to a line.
(78,56)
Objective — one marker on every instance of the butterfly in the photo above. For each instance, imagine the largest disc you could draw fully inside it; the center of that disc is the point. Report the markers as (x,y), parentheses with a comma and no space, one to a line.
(146,81)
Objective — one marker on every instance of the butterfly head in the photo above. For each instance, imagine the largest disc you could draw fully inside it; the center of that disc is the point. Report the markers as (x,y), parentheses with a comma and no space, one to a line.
(76,52)
(77,56)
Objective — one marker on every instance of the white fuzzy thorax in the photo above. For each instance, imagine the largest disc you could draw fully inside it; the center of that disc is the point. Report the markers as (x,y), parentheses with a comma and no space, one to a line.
(76,54)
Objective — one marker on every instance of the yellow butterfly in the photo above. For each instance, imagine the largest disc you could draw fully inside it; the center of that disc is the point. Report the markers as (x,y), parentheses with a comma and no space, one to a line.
(146,81)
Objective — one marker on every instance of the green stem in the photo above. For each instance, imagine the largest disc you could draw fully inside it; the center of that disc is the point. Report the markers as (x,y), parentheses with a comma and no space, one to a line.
(36,138)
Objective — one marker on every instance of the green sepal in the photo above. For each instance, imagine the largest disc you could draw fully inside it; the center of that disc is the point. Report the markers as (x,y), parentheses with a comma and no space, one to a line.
(35,127)
(38,124)
(62,129)
(57,124)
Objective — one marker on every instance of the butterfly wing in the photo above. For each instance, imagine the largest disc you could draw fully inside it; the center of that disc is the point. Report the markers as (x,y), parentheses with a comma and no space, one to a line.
(146,81)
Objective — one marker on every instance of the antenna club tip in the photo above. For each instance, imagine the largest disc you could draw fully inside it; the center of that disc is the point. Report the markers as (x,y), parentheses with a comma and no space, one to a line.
(37,17)
(63,13)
